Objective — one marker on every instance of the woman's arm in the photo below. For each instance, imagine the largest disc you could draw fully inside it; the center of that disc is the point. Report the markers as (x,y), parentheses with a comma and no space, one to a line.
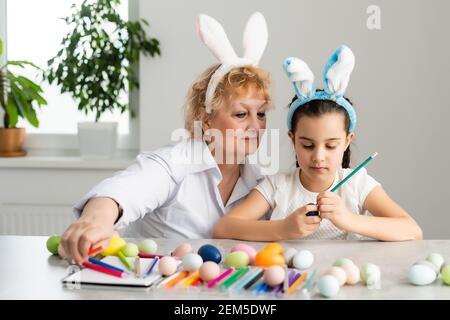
(242,222)
(389,222)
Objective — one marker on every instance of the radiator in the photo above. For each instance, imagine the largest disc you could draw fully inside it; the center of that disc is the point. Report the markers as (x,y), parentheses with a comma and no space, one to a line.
(34,219)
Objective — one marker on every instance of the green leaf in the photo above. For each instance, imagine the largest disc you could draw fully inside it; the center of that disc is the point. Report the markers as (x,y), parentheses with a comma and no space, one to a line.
(1,47)
(11,111)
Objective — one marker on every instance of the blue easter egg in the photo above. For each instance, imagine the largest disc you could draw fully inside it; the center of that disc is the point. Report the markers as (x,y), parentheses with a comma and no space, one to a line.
(209,253)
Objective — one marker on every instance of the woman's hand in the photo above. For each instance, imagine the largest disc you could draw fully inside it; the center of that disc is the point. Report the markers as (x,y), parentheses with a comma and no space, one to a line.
(332,207)
(92,230)
(82,236)
(299,225)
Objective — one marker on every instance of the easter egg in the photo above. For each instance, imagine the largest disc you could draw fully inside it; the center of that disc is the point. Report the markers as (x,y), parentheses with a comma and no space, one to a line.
(303,259)
(436,259)
(192,262)
(370,274)
(341,261)
(274,246)
(338,273)
(445,274)
(288,255)
(429,265)
(274,276)
(210,253)
(167,266)
(237,259)
(130,250)
(182,250)
(148,246)
(53,243)
(209,270)
(328,286)
(352,272)
(247,249)
(268,258)
(421,275)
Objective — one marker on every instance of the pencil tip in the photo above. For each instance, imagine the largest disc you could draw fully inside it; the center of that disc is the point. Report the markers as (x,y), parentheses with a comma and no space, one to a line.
(375,154)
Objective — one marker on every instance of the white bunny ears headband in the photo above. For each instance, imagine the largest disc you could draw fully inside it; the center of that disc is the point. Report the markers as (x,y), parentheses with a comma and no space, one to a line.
(214,37)
(335,80)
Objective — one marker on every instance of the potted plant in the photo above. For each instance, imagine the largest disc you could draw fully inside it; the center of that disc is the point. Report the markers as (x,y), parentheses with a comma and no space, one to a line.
(19,97)
(96,65)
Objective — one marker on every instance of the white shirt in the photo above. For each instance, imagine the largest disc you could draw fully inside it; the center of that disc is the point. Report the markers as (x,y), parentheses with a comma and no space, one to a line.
(285,193)
(172,192)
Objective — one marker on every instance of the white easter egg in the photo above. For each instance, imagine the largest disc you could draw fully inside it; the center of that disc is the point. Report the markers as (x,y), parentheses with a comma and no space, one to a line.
(328,286)
(338,273)
(436,259)
(352,272)
(421,275)
(429,264)
(288,256)
(303,259)
(148,246)
(192,262)
(370,274)
(341,261)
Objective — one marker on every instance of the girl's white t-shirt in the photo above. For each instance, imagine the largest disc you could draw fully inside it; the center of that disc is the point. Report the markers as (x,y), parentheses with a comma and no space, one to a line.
(285,193)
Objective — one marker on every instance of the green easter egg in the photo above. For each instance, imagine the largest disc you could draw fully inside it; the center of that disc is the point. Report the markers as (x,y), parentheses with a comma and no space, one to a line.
(148,246)
(130,250)
(53,243)
(445,274)
(237,259)
(341,261)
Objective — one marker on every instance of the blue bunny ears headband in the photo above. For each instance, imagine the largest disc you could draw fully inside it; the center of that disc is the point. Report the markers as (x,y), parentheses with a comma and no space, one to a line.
(335,80)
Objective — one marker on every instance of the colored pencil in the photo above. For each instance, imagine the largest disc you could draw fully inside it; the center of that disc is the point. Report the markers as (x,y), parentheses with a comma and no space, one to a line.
(297,282)
(254,280)
(152,256)
(213,282)
(309,281)
(191,279)
(235,277)
(125,261)
(93,252)
(196,282)
(175,280)
(150,268)
(316,213)
(104,264)
(248,279)
(105,270)
(354,171)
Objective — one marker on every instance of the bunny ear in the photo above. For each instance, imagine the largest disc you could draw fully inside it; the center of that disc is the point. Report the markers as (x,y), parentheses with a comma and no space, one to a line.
(214,37)
(255,38)
(301,77)
(337,71)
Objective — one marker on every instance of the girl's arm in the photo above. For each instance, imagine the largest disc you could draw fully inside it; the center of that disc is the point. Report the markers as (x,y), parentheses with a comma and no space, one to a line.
(242,222)
(389,222)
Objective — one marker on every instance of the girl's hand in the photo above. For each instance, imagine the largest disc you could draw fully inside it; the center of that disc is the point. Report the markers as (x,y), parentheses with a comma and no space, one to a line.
(298,225)
(332,207)
(82,236)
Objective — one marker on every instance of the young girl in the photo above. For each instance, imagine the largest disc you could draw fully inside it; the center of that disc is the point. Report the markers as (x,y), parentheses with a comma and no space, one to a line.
(321,125)
(181,190)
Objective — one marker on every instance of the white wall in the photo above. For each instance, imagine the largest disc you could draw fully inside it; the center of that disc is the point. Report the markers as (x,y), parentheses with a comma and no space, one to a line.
(398,86)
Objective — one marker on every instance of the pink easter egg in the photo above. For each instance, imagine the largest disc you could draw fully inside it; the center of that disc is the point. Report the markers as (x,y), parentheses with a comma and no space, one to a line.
(182,250)
(209,270)
(247,249)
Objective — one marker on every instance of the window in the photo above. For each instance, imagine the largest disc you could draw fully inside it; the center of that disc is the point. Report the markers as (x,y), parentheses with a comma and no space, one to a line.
(34,30)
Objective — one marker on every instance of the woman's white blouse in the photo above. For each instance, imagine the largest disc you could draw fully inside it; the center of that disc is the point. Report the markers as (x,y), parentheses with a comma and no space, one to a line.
(172,192)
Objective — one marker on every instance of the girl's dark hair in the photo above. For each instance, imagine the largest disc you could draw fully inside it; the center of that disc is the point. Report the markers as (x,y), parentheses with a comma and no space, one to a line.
(316,108)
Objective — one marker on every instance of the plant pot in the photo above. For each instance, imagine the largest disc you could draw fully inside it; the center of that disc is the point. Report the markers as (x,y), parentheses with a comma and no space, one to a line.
(97,140)
(11,142)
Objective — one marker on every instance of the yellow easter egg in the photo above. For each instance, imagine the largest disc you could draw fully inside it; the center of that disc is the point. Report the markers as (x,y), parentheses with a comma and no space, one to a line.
(114,246)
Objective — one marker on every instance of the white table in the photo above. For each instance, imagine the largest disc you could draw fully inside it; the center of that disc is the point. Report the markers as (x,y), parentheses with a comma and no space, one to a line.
(28,271)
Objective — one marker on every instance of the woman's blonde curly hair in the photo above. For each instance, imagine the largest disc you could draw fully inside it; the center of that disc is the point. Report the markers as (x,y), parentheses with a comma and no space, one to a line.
(240,77)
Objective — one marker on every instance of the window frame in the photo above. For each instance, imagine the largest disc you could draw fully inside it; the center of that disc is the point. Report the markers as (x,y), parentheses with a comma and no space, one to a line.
(67,144)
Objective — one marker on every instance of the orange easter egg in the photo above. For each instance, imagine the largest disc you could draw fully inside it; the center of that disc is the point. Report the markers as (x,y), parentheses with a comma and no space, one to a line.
(268,258)
(274,246)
